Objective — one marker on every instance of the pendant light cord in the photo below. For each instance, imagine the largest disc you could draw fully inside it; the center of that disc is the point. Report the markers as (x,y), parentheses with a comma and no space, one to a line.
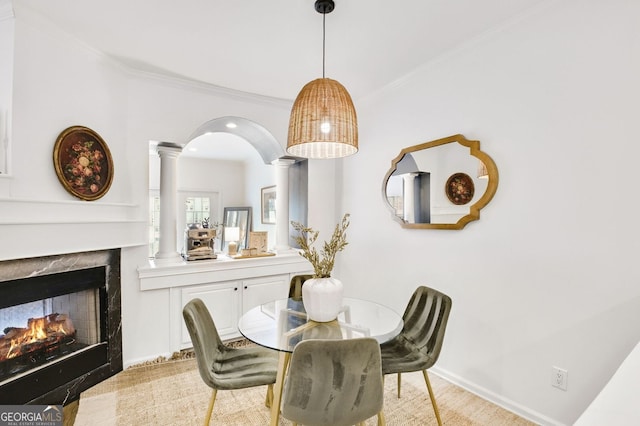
(324,15)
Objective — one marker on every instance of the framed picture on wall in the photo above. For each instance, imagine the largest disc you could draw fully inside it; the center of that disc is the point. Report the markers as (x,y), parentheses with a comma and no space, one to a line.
(268,204)
(83,163)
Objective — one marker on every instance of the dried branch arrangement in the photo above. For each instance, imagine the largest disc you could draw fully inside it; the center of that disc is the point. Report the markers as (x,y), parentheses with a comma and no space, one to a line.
(323,261)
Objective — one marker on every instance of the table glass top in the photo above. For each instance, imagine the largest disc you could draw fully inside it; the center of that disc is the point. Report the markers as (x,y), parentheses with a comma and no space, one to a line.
(281,324)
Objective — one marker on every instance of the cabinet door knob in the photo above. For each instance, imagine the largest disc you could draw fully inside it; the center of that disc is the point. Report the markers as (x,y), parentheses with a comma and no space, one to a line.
(245,287)
(235,289)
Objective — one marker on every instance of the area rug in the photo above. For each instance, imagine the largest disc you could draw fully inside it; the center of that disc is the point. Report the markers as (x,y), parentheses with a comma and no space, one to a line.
(172,393)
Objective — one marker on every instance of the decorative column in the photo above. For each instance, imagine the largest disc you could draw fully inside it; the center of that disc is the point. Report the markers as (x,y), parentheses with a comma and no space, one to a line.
(282,202)
(409,209)
(168,153)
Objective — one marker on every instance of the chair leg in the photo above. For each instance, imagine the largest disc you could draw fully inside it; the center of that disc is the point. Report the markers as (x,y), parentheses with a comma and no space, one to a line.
(399,383)
(432,396)
(269,398)
(210,409)
(381,420)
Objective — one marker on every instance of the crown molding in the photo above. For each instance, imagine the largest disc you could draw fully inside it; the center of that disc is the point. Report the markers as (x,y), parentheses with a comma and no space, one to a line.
(199,86)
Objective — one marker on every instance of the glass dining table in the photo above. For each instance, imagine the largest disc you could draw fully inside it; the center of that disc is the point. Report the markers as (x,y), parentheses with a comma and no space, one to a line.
(281,324)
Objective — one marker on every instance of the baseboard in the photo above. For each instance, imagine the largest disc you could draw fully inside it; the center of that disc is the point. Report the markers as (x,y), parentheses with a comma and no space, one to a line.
(499,400)
(146,360)
(233,342)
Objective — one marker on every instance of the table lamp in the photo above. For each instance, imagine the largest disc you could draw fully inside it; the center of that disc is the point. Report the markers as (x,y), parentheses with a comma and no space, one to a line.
(232,235)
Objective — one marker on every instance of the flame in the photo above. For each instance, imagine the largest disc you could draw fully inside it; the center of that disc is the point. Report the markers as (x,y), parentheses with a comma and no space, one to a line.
(38,330)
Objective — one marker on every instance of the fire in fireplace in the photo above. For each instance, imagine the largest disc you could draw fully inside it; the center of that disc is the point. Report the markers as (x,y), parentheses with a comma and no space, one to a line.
(42,340)
(59,326)
(41,335)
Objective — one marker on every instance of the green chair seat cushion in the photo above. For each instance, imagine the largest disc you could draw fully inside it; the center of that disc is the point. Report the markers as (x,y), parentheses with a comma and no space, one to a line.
(400,356)
(238,368)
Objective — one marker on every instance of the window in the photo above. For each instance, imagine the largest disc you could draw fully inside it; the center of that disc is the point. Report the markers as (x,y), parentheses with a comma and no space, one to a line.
(197,209)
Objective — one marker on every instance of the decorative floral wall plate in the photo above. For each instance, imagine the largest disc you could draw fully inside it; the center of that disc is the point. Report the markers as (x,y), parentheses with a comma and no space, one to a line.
(459,188)
(83,163)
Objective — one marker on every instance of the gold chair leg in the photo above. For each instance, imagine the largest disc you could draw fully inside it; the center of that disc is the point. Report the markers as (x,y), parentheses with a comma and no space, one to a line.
(283,363)
(381,420)
(210,409)
(432,396)
(269,398)
(399,383)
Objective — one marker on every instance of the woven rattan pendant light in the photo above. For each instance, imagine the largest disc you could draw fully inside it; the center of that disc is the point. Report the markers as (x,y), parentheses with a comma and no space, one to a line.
(323,121)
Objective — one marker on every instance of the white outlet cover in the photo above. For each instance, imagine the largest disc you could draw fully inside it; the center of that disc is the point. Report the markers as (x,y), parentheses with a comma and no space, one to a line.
(559,377)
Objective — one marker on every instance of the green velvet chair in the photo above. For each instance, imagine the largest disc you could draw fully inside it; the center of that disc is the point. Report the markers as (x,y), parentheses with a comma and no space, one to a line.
(334,383)
(295,286)
(418,345)
(222,367)
(295,301)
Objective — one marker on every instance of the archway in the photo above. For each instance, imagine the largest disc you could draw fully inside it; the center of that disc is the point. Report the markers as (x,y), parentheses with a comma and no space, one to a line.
(259,137)
(287,170)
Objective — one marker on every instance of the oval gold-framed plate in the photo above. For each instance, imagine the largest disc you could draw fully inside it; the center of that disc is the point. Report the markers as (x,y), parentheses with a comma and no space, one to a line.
(460,188)
(83,163)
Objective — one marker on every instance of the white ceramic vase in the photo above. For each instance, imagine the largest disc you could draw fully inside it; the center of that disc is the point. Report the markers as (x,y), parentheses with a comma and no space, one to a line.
(322,298)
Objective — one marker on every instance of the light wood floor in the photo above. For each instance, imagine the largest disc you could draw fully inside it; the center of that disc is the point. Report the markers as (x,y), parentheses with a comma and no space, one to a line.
(172,393)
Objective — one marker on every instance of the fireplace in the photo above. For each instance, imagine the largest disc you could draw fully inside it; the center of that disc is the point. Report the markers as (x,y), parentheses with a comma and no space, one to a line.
(59,326)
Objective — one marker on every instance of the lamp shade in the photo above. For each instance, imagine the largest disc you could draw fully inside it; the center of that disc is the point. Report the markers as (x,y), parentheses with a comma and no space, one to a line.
(232,233)
(323,121)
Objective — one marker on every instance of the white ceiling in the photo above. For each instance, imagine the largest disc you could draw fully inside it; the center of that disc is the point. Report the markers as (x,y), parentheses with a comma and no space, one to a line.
(274,47)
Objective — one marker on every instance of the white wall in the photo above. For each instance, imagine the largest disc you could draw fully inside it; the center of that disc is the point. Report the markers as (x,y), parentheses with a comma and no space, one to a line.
(58,84)
(198,174)
(547,275)
(6,78)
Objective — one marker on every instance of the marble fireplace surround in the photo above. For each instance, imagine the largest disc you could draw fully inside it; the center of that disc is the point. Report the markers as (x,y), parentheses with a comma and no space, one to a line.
(63,380)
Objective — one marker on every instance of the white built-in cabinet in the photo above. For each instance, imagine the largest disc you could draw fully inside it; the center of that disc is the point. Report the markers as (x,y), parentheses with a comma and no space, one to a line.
(228,287)
(227,301)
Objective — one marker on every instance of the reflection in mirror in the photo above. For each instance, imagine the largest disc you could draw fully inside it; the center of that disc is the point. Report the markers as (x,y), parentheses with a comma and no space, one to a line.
(238,218)
(441,184)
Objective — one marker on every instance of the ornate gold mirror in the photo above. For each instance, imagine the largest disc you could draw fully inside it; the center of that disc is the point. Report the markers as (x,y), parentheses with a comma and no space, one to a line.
(441,184)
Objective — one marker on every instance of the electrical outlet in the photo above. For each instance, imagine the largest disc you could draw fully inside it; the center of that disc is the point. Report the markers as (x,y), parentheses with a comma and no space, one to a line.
(559,377)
